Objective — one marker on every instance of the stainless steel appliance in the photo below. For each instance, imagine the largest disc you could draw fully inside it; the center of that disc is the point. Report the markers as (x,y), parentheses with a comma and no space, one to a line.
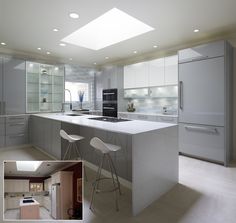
(109,102)
(55,201)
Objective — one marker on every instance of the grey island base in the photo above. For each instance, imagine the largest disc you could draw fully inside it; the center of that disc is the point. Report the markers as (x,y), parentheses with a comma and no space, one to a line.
(148,159)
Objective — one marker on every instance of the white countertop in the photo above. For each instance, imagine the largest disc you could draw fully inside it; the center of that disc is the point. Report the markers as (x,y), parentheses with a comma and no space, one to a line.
(28,204)
(151,114)
(127,127)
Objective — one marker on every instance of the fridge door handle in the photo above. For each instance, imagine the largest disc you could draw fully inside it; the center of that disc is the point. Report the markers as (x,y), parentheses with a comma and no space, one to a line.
(4,108)
(181,95)
(0,108)
(201,129)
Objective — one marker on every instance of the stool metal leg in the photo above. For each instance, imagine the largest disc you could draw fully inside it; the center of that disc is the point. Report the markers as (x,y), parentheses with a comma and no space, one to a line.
(67,149)
(81,157)
(113,180)
(96,181)
(118,182)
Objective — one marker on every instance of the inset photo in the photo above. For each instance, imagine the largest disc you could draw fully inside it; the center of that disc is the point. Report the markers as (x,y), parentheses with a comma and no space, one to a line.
(43,190)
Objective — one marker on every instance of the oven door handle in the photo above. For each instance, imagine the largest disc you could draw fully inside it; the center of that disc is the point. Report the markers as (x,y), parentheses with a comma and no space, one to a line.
(109,108)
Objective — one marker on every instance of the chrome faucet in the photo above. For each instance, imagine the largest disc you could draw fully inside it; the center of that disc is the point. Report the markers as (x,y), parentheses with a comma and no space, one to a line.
(70,101)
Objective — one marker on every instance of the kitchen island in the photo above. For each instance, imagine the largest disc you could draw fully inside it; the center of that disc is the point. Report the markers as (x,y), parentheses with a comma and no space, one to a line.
(29,210)
(148,159)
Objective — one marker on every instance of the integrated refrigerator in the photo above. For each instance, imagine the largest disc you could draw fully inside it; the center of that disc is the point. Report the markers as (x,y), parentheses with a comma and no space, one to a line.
(205,113)
(55,201)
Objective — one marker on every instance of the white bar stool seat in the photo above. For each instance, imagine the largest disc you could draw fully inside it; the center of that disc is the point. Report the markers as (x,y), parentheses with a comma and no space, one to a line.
(105,149)
(72,139)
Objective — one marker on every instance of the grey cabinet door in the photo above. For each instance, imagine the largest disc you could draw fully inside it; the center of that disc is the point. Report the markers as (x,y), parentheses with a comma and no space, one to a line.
(1,84)
(14,96)
(56,139)
(47,128)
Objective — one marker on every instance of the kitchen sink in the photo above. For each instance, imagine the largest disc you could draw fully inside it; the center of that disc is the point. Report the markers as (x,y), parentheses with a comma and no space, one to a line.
(73,115)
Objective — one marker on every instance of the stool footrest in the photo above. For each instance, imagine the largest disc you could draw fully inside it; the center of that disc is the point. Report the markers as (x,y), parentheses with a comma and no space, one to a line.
(106,191)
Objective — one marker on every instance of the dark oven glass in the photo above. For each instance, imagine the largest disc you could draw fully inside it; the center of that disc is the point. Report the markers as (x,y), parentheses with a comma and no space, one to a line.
(109,109)
(109,95)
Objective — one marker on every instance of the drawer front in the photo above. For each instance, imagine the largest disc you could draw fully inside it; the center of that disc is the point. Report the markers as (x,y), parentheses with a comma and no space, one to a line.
(2,141)
(13,128)
(18,118)
(2,129)
(18,139)
(2,120)
(201,52)
(202,141)
(173,120)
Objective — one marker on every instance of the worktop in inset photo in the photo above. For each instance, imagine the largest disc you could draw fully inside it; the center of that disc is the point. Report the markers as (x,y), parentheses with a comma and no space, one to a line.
(147,162)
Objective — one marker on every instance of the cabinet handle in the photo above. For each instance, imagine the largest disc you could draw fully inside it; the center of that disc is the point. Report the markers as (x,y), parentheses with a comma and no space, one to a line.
(0,108)
(201,129)
(181,95)
(16,124)
(16,118)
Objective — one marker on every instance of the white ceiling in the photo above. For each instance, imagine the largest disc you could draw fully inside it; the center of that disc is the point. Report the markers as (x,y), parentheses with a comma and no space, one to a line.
(26,25)
(44,170)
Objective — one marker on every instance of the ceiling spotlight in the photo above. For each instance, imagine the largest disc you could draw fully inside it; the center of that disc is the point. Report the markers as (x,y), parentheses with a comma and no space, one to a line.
(135,52)
(55,30)
(155,46)
(106,58)
(4,44)
(62,44)
(39,48)
(196,30)
(48,53)
(74,15)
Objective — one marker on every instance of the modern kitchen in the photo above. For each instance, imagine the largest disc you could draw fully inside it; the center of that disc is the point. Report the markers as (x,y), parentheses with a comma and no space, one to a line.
(142,95)
(42,190)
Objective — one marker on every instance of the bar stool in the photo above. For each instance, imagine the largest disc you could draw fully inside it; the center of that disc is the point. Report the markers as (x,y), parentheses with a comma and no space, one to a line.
(105,149)
(72,139)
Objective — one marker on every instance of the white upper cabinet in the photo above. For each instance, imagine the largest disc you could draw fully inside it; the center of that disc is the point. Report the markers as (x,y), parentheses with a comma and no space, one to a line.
(171,70)
(201,52)
(141,71)
(157,72)
(136,75)
(128,77)
(16,186)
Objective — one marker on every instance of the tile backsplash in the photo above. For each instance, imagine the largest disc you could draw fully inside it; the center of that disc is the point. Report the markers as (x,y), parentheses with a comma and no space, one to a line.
(154,105)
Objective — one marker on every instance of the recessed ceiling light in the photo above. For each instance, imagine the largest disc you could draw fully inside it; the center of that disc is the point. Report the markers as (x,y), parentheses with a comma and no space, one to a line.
(155,46)
(62,44)
(106,58)
(48,53)
(55,30)
(95,63)
(135,52)
(38,48)
(74,15)
(4,44)
(56,68)
(110,28)
(196,30)
(70,58)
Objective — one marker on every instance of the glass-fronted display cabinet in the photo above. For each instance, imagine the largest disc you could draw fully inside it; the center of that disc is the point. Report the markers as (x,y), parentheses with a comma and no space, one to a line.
(44,87)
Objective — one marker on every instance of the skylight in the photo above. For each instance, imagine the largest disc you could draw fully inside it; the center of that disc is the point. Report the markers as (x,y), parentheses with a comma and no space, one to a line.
(110,28)
(30,166)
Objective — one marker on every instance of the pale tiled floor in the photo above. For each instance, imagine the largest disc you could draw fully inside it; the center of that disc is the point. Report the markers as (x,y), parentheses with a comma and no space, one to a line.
(206,193)
(15,214)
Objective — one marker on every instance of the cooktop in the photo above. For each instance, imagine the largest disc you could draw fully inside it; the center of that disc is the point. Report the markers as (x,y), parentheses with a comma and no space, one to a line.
(110,119)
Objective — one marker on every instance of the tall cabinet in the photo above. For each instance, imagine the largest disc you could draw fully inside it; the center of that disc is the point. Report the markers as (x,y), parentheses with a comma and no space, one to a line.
(44,88)
(205,100)
(12,82)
